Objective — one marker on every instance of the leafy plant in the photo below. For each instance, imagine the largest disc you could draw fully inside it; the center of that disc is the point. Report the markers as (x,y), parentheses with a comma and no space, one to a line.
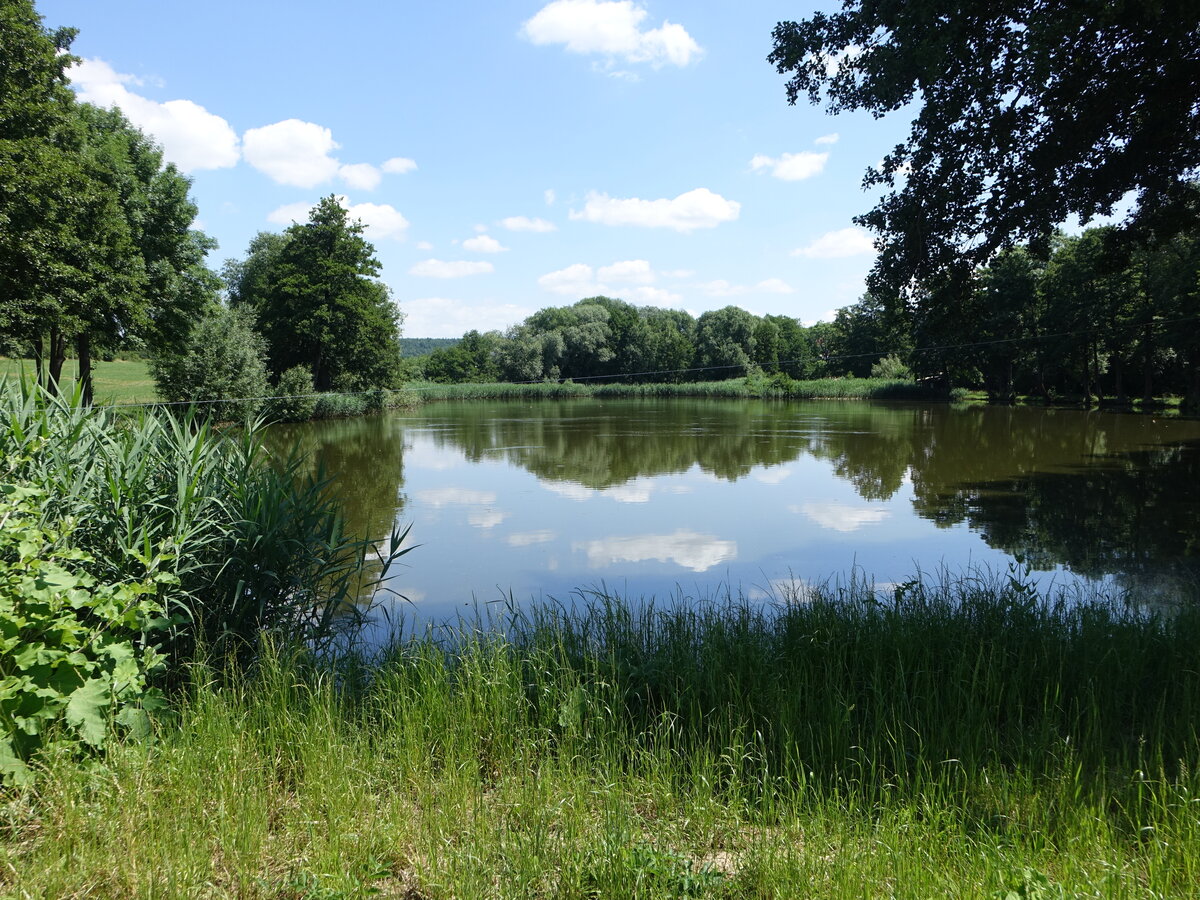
(76,654)
(294,400)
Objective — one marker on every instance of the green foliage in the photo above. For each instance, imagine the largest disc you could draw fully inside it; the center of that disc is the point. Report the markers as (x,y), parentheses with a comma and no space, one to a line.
(411,348)
(76,655)
(1009,149)
(219,364)
(253,544)
(890,367)
(294,399)
(318,303)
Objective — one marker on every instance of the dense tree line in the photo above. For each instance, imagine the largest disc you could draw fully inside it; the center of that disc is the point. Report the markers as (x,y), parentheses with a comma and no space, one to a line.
(1091,318)
(601,338)
(98,255)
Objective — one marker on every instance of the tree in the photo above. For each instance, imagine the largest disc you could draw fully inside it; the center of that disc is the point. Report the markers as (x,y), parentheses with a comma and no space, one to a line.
(319,304)
(220,363)
(95,239)
(725,342)
(1027,112)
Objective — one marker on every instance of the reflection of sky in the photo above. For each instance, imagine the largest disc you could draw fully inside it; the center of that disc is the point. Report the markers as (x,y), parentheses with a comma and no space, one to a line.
(697,552)
(490,530)
(842,516)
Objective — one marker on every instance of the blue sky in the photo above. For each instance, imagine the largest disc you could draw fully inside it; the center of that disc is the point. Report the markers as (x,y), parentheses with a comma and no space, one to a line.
(505,156)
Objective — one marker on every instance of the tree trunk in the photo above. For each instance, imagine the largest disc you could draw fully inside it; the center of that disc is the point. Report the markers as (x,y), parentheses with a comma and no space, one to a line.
(83,345)
(58,355)
(39,361)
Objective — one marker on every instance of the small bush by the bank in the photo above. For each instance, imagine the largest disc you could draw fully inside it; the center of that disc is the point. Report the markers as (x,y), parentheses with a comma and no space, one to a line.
(293,400)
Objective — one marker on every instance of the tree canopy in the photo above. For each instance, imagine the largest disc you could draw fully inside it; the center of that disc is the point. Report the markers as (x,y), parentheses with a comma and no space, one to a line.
(1027,112)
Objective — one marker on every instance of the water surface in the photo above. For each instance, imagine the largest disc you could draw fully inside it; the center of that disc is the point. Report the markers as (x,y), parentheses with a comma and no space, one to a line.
(648,497)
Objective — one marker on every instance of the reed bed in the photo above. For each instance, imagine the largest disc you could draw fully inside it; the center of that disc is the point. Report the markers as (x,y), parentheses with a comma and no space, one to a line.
(968,738)
(734,388)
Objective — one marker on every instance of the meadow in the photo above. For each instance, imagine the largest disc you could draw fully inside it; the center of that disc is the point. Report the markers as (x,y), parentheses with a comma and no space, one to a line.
(964,738)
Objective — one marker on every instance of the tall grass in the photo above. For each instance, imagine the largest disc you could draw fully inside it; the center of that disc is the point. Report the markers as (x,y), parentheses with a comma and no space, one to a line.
(254,544)
(784,388)
(966,739)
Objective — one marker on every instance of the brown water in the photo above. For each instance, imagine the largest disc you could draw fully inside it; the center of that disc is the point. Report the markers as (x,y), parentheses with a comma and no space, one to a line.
(653,497)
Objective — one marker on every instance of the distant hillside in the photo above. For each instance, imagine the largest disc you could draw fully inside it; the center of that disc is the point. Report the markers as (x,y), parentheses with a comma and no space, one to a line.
(410,347)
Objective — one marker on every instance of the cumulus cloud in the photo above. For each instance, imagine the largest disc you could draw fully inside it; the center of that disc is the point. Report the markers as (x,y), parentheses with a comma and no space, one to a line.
(827,138)
(191,136)
(791,166)
(448,317)
(362,176)
(840,516)
(398,165)
(524,223)
(839,244)
(292,152)
(483,243)
(436,268)
(380,219)
(630,279)
(424,245)
(529,538)
(699,208)
(688,549)
(723,288)
(613,29)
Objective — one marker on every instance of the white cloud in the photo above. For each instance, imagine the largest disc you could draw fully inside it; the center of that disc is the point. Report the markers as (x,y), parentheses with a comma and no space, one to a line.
(631,271)
(439,497)
(611,29)
(529,538)
(523,223)
(191,136)
(630,279)
(839,244)
(362,176)
(447,317)
(485,518)
(483,244)
(699,208)
(791,166)
(698,552)
(399,165)
(723,288)
(549,195)
(436,268)
(292,152)
(290,212)
(381,219)
(636,491)
(424,245)
(678,273)
(827,138)
(768,474)
(840,516)
(569,489)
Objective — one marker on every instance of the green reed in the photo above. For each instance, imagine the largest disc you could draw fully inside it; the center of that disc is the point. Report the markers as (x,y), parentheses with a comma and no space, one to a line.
(961,737)
(734,388)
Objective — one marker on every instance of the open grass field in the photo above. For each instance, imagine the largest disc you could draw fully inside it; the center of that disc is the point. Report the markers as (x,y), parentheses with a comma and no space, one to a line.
(119,381)
(972,741)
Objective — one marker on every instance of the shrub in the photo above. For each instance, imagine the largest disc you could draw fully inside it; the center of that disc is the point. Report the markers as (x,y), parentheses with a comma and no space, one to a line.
(252,544)
(294,400)
(75,653)
(892,368)
(220,364)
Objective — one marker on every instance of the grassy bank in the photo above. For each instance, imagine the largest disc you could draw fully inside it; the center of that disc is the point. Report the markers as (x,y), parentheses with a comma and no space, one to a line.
(967,741)
(733,388)
(116,381)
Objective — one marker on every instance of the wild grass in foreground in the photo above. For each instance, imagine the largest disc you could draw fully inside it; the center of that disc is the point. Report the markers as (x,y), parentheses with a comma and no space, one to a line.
(967,740)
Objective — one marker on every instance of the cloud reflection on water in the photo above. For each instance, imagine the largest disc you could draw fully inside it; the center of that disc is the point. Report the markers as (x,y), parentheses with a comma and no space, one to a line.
(698,552)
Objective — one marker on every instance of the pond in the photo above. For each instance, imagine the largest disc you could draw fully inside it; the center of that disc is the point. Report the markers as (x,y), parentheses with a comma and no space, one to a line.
(659,497)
